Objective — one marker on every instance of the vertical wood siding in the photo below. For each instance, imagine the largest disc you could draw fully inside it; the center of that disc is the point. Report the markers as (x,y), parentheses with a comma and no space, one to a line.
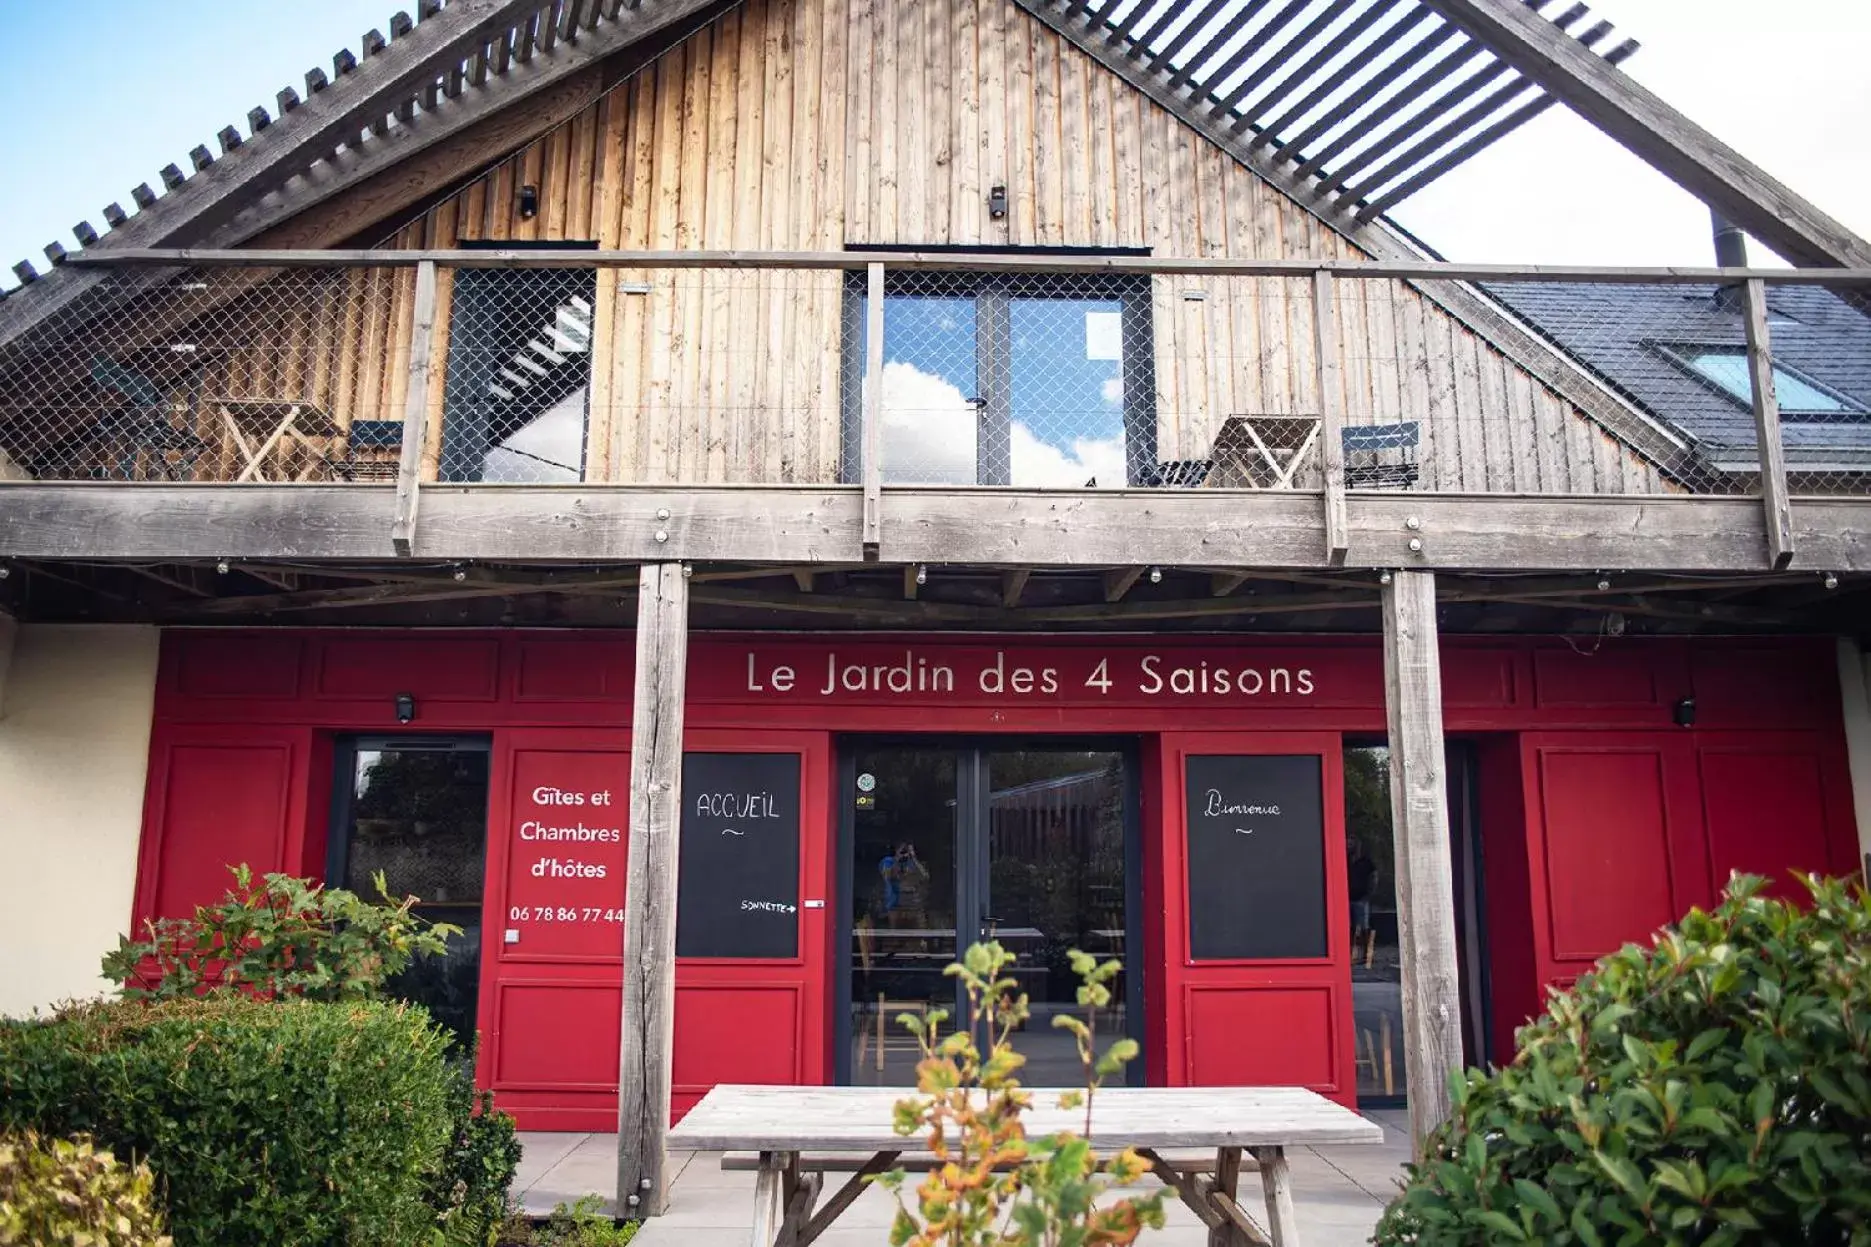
(830,124)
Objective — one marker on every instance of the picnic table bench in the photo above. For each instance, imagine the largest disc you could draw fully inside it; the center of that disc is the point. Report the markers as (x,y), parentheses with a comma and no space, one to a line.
(803,1133)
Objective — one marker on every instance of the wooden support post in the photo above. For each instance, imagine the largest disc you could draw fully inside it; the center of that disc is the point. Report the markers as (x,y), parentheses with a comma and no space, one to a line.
(643,1072)
(1331,417)
(1778,511)
(415,409)
(1419,804)
(872,434)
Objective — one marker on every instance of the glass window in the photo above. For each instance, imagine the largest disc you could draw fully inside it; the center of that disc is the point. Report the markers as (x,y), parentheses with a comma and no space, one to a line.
(1376,963)
(1022,379)
(417,812)
(518,389)
(1727,369)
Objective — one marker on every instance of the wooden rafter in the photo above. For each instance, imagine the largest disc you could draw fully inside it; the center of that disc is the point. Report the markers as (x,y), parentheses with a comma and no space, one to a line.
(1468,306)
(1669,142)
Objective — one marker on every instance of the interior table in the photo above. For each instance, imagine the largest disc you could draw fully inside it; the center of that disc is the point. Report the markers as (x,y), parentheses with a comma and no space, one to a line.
(801,1133)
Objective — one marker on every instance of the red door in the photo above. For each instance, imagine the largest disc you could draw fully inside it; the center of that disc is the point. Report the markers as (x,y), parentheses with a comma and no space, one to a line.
(1254,938)
(551,992)
(763,1019)
(552,966)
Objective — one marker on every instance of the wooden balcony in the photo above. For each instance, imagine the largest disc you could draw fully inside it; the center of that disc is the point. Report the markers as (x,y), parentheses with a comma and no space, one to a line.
(1057,410)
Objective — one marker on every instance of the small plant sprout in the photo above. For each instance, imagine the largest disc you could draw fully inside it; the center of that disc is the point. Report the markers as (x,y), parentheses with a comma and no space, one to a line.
(992,1185)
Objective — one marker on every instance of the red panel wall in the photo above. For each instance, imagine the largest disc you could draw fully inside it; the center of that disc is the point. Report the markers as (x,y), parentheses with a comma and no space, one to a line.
(1262,1021)
(1600,817)
(1627,831)
(219,797)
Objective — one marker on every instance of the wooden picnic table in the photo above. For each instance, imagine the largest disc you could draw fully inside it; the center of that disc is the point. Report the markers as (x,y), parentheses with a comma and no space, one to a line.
(794,1128)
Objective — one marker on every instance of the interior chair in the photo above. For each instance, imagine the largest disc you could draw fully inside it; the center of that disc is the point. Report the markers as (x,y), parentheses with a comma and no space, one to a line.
(878,1031)
(372,452)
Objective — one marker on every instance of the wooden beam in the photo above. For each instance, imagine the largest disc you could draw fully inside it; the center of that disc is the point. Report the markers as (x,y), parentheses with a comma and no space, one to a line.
(1118,580)
(1658,134)
(1405,268)
(1419,804)
(1331,415)
(871,435)
(1773,453)
(806,580)
(1013,584)
(792,527)
(644,1075)
(422,375)
(1221,584)
(911,583)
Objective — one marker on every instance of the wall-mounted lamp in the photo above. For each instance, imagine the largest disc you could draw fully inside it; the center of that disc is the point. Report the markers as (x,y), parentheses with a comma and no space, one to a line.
(405,708)
(997,202)
(1684,712)
(529,202)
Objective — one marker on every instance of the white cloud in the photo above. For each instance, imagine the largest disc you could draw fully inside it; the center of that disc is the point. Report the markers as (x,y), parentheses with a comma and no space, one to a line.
(1043,465)
(930,432)
(928,428)
(1114,391)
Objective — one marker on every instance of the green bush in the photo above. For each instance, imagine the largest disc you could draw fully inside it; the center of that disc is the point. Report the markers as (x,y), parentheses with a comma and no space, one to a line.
(469,1191)
(1713,1089)
(278,1122)
(68,1192)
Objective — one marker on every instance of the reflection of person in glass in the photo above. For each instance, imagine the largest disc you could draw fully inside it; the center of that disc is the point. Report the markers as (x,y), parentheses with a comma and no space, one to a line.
(905,887)
(1360,878)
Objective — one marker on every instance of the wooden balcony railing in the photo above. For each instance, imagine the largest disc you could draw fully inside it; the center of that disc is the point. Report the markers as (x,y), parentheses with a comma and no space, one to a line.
(874,370)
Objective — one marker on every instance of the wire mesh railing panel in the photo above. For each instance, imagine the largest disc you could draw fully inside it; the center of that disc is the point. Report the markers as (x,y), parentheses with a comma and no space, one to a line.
(224,374)
(1638,412)
(1820,351)
(643,376)
(1069,379)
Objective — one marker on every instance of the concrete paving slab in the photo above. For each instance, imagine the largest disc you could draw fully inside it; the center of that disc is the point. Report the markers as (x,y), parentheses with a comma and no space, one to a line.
(1339,1193)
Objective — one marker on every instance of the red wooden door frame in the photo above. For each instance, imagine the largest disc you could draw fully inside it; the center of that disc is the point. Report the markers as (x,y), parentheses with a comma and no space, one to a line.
(1185,985)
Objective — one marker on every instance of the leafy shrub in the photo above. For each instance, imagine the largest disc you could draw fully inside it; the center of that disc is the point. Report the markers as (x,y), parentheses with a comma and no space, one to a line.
(995,1186)
(287,937)
(571,1225)
(469,1191)
(265,1121)
(66,1191)
(1713,1089)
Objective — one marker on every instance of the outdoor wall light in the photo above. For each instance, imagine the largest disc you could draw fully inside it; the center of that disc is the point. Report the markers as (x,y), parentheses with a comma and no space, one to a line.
(997,202)
(405,708)
(529,202)
(1685,712)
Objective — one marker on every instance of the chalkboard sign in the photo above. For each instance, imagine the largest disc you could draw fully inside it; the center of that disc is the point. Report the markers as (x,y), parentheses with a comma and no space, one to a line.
(1256,830)
(737,881)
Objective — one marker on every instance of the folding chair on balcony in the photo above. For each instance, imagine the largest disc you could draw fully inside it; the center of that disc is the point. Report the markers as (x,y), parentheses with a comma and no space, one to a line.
(373,451)
(1380,456)
(139,439)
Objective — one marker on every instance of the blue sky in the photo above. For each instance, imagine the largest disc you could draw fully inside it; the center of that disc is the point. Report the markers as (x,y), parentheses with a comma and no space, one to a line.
(98,97)
(93,108)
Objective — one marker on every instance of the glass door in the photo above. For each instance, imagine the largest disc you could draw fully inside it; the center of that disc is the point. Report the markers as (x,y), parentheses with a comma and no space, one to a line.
(1056,881)
(947,845)
(416,810)
(904,893)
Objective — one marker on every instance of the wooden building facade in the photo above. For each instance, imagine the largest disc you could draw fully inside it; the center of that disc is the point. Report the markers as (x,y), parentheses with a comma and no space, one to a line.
(871,475)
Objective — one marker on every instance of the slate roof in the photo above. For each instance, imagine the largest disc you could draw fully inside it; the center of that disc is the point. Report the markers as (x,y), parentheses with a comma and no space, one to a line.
(1623,334)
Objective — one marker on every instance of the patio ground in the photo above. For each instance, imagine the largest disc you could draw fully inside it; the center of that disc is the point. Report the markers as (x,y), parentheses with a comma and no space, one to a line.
(1339,1192)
